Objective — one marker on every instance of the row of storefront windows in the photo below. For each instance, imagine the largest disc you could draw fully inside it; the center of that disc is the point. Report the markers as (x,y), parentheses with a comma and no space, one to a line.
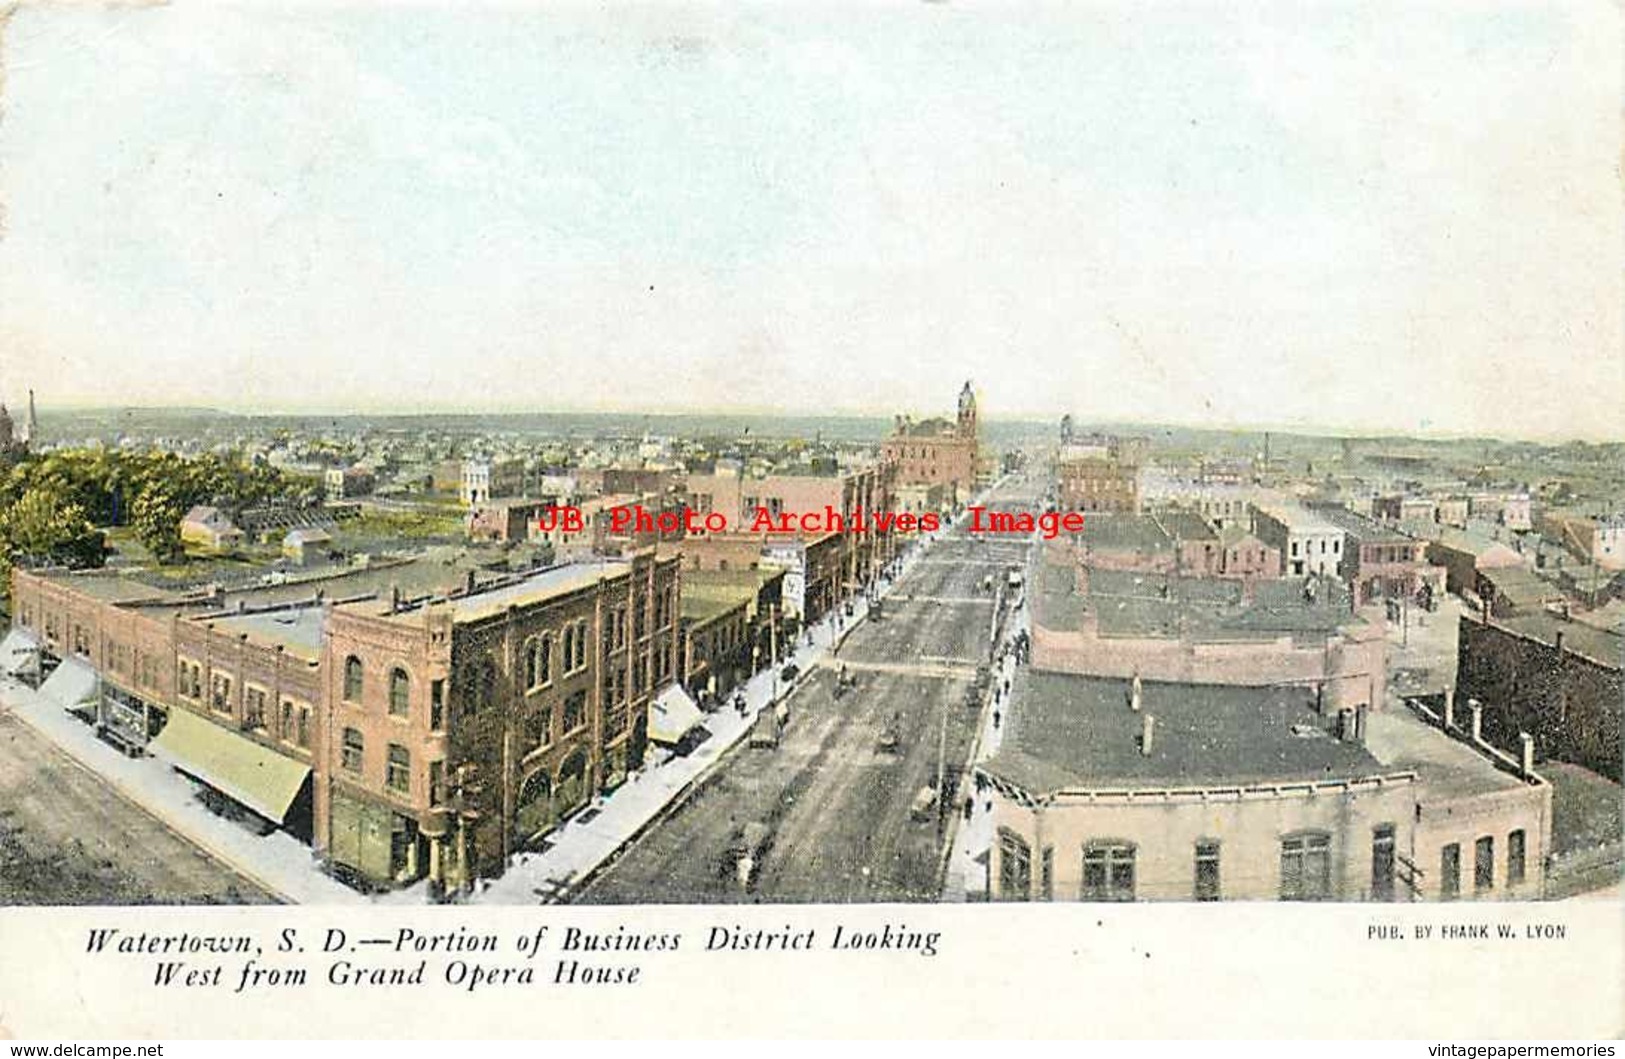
(1108,867)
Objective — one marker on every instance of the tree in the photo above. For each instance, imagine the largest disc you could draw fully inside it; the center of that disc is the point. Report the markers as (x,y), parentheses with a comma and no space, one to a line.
(156,515)
(42,528)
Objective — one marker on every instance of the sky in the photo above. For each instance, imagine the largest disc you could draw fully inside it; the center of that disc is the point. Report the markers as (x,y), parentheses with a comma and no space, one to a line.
(1401,217)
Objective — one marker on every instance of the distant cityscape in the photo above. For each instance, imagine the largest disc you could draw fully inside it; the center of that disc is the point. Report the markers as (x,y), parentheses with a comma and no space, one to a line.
(366,659)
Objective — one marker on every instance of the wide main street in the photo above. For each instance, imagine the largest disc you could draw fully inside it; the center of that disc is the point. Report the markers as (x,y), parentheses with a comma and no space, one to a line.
(68,838)
(837,804)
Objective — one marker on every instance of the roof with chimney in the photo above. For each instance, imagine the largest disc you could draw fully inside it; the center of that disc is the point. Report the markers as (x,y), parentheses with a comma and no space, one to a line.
(1067,731)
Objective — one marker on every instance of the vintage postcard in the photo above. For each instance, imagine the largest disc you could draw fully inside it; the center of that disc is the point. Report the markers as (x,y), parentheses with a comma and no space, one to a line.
(979,511)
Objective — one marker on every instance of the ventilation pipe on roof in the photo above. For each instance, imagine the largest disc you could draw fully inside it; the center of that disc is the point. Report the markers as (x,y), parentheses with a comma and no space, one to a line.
(1148,731)
(1135,694)
(1478,719)
(1526,764)
(1449,708)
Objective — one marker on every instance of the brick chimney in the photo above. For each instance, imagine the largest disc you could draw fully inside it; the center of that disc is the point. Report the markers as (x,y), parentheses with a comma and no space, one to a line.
(1526,765)
(1478,719)
(1449,708)
(1148,731)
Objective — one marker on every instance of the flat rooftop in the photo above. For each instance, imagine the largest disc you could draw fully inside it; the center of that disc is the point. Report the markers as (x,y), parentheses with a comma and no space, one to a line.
(1367,530)
(1403,741)
(1073,731)
(297,630)
(547,584)
(1299,519)
(1131,604)
(1603,646)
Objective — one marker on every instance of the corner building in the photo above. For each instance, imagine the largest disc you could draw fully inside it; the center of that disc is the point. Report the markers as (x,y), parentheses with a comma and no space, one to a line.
(458,731)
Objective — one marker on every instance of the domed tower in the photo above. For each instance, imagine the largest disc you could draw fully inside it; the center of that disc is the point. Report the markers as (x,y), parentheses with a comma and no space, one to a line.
(967,411)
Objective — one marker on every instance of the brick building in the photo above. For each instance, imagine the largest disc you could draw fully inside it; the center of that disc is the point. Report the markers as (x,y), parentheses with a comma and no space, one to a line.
(1100,474)
(938,452)
(413,719)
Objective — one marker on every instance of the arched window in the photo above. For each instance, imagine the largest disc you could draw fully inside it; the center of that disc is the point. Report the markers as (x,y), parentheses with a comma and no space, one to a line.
(569,647)
(400,692)
(544,660)
(353,750)
(530,664)
(352,679)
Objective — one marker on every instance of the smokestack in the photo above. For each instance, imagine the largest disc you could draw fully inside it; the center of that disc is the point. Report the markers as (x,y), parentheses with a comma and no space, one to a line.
(1449,708)
(1148,731)
(1478,719)
(1559,643)
(1135,694)
(1527,763)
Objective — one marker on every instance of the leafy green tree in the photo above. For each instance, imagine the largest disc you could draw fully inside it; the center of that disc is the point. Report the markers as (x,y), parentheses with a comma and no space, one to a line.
(156,517)
(43,528)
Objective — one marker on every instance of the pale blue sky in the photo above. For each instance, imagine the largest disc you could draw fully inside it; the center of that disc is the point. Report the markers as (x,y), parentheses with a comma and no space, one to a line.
(1361,217)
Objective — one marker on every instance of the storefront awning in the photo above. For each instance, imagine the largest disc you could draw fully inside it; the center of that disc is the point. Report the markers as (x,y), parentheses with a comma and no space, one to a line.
(19,652)
(672,715)
(72,686)
(237,767)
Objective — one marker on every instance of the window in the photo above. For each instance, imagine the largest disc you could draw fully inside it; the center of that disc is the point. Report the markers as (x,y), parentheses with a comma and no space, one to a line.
(437,705)
(1207,871)
(539,728)
(1015,866)
(220,692)
(352,679)
(400,692)
(581,645)
(437,782)
(485,690)
(353,749)
(304,727)
(1515,857)
(539,662)
(399,776)
(285,730)
(575,711)
(1484,864)
(1108,871)
(1382,862)
(254,708)
(1450,872)
(1046,874)
(569,648)
(1306,867)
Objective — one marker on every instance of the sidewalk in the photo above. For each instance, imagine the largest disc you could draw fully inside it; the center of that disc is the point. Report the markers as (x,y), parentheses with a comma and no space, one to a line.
(586,842)
(973,838)
(278,862)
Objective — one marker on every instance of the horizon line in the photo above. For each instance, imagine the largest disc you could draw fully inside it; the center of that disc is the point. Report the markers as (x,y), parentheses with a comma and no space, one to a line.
(1051,418)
